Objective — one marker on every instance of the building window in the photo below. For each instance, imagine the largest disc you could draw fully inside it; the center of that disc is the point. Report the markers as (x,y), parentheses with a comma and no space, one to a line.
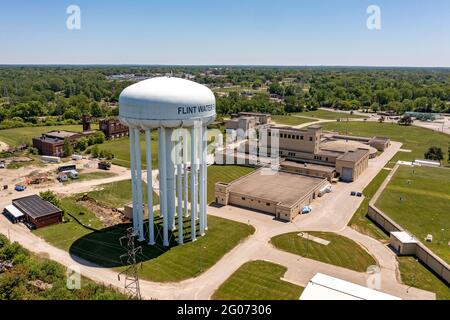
(310,139)
(243,198)
(268,204)
(301,137)
(297,137)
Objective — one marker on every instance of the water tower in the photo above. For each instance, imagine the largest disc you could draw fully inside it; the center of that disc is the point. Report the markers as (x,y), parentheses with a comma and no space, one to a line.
(180,110)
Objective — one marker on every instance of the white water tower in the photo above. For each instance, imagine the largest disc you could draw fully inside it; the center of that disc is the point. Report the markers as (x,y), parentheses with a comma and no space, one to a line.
(180,110)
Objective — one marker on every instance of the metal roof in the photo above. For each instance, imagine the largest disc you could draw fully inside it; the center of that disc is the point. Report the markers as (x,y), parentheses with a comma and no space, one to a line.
(35,207)
(324,287)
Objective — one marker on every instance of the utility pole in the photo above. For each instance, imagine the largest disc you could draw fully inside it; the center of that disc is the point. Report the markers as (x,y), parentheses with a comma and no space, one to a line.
(131,273)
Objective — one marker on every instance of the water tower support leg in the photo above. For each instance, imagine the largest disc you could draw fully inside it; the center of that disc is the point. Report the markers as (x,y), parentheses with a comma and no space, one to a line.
(179,189)
(162,184)
(202,182)
(139,184)
(151,225)
(185,171)
(193,184)
(133,180)
(205,175)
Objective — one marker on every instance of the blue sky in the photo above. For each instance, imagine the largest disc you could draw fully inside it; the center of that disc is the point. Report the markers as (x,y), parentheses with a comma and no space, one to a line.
(201,32)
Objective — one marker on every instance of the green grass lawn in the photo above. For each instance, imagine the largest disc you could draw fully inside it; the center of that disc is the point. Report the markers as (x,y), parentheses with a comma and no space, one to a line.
(291,120)
(118,194)
(425,205)
(415,274)
(19,135)
(258,280)
(341,251)
(226,173)
(65,234)
(360,221)
(121,150)
(91,176)
(329,115)
(414,138)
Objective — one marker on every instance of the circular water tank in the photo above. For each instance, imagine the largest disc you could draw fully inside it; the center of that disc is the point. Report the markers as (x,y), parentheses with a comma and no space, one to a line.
(166,102)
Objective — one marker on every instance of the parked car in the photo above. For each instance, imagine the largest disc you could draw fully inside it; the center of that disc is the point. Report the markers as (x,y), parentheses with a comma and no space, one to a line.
(2,164)
(306,210)
(359,194)
(353,193)
(20,188)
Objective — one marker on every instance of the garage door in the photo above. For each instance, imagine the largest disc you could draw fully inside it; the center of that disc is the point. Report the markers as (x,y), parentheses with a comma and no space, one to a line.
(347,175)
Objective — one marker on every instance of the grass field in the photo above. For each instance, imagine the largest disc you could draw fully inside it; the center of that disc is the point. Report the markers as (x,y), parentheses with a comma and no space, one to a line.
(329,115)
(291,120)
(118,194)
(359,221)
(65,234)
(425,205)
(225,173)
(414,138)
(341,251)
(91,176)
(415,274)
(258,280)
(121,150)
(19,135)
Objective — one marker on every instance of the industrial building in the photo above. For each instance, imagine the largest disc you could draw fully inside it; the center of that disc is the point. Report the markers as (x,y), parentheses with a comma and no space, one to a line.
(282,194)
(113,128)
(52,143)
(347,157)
(35,211)
(247,120)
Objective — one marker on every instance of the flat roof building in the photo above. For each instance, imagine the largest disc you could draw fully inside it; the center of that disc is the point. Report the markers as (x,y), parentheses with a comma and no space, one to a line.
(282,194)
(38,212)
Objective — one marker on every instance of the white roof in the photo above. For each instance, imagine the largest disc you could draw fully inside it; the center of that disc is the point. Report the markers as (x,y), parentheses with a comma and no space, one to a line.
(14,211)
(324,287)
(404,237)
(166,101)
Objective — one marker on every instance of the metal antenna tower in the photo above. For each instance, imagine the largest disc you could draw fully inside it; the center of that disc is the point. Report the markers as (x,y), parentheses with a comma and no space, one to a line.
(131,272)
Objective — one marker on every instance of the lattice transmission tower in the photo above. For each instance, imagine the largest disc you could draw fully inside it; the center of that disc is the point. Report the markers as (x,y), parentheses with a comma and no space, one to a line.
(131,273)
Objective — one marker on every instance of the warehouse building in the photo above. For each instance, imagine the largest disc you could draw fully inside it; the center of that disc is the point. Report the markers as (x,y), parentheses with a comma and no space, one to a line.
(37,212)
(282,194)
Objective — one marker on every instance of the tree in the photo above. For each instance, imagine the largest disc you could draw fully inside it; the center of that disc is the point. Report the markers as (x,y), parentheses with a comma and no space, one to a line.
(67,148)
(81,144)
(51,197)
(405,120)
(99,137)
(434,153)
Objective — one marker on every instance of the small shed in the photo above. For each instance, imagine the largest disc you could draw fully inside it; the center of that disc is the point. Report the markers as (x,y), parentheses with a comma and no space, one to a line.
(403,243)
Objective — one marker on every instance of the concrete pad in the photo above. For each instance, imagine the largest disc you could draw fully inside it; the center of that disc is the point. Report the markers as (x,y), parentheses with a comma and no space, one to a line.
(313,238)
